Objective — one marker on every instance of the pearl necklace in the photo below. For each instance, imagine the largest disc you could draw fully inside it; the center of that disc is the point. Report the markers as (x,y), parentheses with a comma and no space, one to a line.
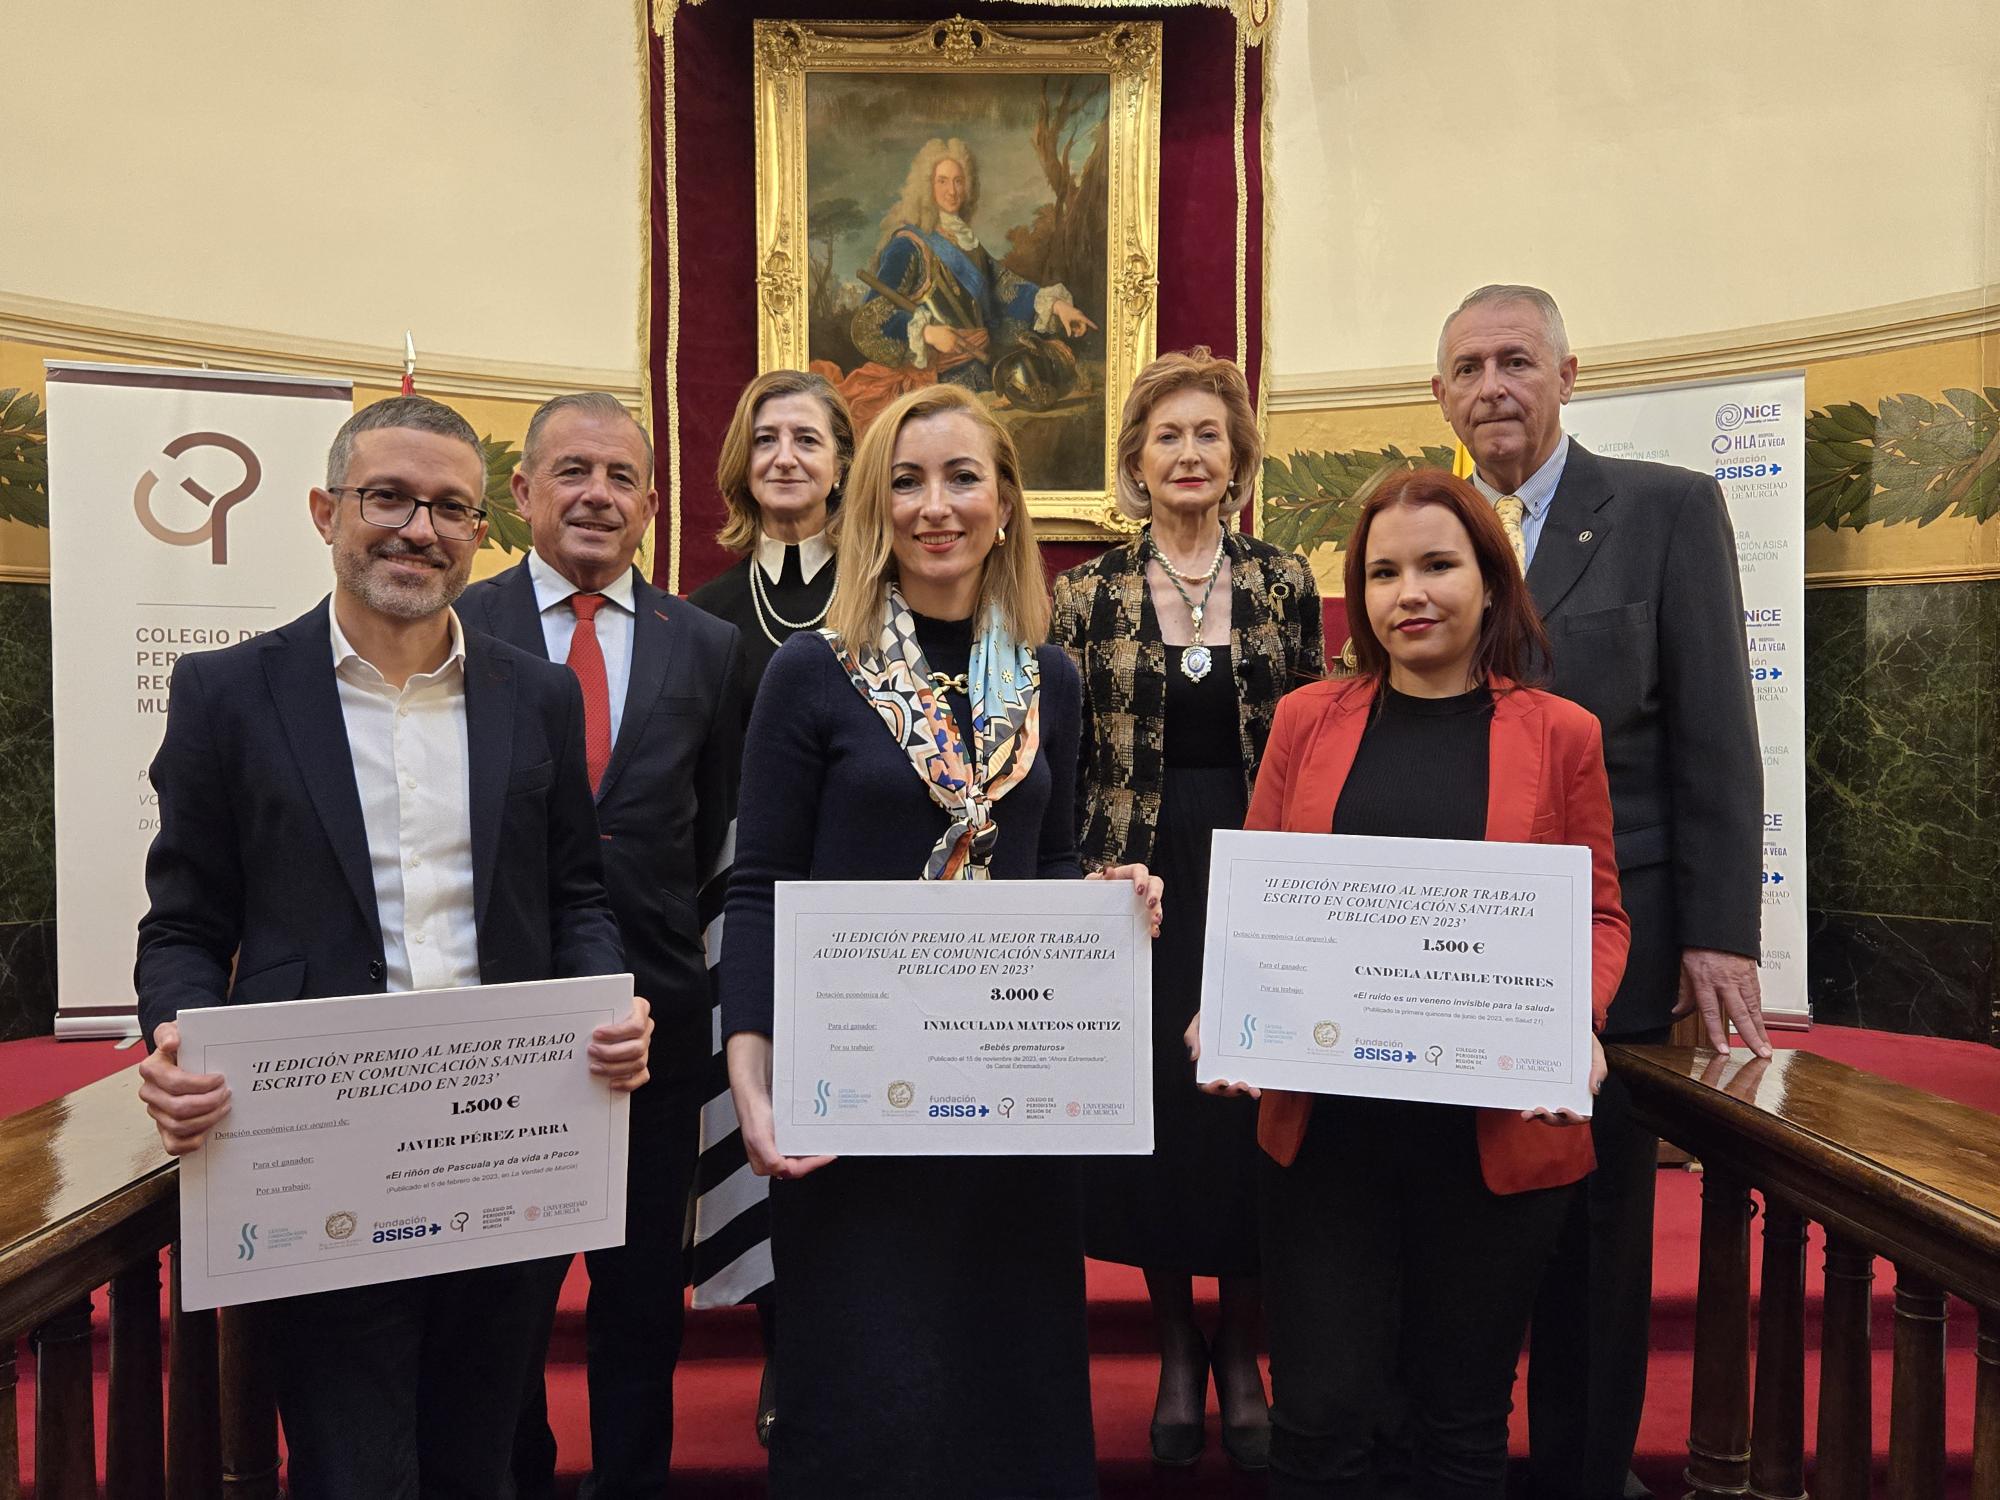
(1196,659)
(761,607)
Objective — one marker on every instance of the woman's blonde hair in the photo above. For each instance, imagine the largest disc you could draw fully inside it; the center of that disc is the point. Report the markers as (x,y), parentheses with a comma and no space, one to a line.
(1188,370)
(732,468)
(918,203)
(1011,579)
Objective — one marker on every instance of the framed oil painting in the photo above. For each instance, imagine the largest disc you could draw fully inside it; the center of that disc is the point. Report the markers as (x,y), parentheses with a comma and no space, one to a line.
(952,201)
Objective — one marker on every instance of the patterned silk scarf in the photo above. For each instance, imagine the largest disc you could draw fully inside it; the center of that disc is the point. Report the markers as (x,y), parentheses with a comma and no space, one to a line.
(1004,681)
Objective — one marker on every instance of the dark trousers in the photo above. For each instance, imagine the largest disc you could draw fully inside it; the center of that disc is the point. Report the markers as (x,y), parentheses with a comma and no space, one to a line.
(405,1391)
(1397,1289)
(633,1319)
(1592,1321)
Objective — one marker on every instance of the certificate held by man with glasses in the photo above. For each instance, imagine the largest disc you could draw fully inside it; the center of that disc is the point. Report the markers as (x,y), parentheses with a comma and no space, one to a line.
(1433,970)
(379,1137)
(962,1018)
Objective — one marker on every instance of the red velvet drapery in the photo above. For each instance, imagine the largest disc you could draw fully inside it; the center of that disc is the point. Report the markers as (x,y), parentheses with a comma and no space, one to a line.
(715,180)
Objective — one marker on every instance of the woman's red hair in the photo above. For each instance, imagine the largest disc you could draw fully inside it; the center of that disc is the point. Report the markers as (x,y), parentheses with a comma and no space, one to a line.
(1511,640)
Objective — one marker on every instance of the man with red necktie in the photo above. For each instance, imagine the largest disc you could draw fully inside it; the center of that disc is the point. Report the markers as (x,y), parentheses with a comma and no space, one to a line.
(663,721)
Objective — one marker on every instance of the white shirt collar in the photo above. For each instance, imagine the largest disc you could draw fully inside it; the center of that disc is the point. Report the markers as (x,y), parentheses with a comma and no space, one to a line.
(1540,486)
(551,588)
(344,653)
(814,554)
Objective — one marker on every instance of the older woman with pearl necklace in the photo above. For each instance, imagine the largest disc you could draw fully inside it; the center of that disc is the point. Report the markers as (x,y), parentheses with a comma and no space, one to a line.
(1185,638)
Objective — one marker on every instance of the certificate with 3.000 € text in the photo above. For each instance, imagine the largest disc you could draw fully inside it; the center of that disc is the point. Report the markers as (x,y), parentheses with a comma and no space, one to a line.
(377,1137)
(1437,970)
(962,1018)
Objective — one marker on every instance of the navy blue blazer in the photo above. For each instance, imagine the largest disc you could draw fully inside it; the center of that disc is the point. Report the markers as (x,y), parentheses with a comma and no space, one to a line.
(259,876)
(668,797)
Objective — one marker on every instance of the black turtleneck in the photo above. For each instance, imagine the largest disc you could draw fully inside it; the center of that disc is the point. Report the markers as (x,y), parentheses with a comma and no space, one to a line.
(947,647)
(1421,770)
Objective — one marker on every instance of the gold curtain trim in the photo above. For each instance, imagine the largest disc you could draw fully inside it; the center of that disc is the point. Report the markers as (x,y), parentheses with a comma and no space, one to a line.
(1255,22)
(649,545)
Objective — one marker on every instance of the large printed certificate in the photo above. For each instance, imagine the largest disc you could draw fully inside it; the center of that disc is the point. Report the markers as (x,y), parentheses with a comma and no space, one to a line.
(379,1137)
(1437,970)
(962,1018)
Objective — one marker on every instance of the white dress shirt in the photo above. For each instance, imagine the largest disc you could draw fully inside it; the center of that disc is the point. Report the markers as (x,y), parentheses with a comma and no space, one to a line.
(412,767)
(615,627)
(814,554)
(1534,495)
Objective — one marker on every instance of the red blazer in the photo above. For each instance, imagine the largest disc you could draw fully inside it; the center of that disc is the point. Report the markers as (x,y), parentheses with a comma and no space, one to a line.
(1546,786)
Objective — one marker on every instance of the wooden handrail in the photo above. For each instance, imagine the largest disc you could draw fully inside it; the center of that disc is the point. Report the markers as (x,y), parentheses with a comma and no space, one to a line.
(85,1190)
(87,1197)
(1890,1171)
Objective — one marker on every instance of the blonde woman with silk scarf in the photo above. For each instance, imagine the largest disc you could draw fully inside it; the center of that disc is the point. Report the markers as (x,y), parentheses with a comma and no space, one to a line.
(933,1307)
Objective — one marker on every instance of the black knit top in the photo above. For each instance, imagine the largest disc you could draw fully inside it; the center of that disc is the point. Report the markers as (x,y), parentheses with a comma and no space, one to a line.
(1421,769)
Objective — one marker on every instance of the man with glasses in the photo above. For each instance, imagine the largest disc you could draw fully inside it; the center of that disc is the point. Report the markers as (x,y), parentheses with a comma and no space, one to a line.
(369,799)
(662,691)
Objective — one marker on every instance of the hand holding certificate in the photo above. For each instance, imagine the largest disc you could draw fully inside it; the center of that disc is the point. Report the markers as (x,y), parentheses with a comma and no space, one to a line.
(1427,969)
(378,1137)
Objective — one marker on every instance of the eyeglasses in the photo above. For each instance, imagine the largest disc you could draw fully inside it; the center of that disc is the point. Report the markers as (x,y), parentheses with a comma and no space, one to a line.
(392,510)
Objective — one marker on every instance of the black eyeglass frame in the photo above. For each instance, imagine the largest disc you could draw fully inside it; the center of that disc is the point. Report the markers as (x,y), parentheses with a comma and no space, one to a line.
(383,496)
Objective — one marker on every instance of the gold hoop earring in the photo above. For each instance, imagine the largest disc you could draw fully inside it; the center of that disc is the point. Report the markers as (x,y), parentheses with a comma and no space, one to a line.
(1000,537)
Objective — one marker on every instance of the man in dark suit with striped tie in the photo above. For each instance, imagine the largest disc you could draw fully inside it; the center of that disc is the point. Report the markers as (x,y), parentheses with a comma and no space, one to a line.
(1633,567)
(662,686)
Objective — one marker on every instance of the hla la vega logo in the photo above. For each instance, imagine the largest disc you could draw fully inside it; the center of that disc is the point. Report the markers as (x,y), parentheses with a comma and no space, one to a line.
(246,1245)
(214,530)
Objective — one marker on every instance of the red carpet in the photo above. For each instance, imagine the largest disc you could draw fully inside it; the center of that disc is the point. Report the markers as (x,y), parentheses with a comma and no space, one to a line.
(716,1456)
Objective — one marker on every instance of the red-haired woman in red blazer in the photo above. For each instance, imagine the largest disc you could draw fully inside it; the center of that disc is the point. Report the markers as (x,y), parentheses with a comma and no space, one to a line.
(1403,1243)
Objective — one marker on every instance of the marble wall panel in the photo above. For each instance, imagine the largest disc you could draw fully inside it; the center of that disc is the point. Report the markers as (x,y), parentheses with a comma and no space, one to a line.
(27,816)
(27,979)
(1920,975)
(27,764)
(1903,806)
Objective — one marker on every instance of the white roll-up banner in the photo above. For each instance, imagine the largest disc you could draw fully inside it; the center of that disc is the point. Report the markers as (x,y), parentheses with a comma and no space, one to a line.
(1750,433)
(178,522)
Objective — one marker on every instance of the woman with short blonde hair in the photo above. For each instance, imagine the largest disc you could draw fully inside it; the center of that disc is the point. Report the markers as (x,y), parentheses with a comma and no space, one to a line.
(1190,370)
(933,1307)
(782,468)
(1185,641)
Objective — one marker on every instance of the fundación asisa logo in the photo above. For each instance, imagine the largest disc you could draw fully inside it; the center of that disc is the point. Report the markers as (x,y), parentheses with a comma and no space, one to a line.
(214,530)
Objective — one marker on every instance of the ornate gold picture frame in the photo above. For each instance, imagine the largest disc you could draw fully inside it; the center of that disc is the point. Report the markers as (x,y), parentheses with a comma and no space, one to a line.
(969,203)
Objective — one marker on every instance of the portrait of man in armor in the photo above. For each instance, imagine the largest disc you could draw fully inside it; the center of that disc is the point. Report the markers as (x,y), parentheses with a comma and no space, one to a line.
(984,267)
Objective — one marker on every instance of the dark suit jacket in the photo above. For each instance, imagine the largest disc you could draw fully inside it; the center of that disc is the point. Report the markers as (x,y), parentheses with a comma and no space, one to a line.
(1545,785)
(1104,619)
(262,855)
(1635,576)
(668,797)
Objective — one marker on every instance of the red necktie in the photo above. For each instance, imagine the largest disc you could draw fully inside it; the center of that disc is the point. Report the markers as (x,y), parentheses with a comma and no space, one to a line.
(586,659)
